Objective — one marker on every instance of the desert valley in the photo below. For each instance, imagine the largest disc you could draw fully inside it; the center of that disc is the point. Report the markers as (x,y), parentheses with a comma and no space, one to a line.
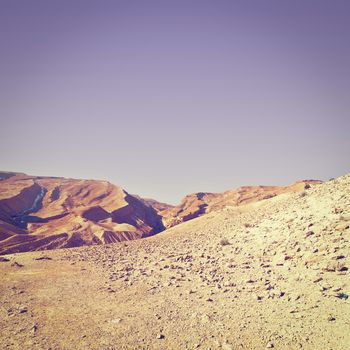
(85,265)
(174,175)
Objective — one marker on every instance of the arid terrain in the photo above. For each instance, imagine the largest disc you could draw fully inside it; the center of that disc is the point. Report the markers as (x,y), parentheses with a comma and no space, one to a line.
(43,213)
(40,213)
(270,273)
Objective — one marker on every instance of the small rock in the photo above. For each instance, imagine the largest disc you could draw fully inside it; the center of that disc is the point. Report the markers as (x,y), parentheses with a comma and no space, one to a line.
(249,281)
(309,233)
(160,336)
(258,297)
(115,320)
(34,328)
(280,294)
(331,318)
(16,264)
(270,345)
(342,269)
(23,310)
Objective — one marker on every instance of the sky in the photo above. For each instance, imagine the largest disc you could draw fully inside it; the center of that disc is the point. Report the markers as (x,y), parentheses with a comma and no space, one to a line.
(166,98)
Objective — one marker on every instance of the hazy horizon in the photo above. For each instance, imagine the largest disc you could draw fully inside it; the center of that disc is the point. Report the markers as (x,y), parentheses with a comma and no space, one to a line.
(166,98)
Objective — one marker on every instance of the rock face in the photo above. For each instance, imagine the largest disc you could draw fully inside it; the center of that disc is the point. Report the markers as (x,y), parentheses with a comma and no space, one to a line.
(45,213)
(197,204)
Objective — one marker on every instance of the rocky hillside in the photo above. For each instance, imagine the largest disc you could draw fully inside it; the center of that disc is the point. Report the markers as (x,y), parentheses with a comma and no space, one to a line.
(197,204)
(273,274)
(46,213)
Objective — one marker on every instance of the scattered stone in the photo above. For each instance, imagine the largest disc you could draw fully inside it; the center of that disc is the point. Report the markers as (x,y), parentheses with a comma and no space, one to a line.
(331,318)
(23,310)
(309,233)
(280,293)
(338,257)
(34,329)
(342,295)
(270,345)
(10,312)
(115,320)
(250,280)
(224,241)
(258,297)
(160,336)
(16,264)
(342,269)
(230,265)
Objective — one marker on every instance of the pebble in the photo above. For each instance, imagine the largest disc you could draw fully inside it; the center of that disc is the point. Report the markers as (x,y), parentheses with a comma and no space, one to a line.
(23,310)
(34,328)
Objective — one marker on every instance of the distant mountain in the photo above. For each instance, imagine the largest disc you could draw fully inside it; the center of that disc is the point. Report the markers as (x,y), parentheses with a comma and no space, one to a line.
(47,213)
(158,206)
(197,204)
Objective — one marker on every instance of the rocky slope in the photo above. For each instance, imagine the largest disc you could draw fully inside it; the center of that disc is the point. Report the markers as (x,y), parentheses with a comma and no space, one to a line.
(46,213)
(40,213)
(197,204)
(270,274)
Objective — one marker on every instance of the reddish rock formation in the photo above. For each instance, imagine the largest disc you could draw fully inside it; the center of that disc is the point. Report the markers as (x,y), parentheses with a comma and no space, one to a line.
(46,213)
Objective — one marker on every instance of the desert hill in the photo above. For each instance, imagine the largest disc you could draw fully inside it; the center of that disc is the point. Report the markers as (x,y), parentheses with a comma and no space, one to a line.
(41,213)
(268,274)
(47,213)
(197,204)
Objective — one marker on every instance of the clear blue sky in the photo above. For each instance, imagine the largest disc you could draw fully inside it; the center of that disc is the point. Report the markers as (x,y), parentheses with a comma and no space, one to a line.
(167,98)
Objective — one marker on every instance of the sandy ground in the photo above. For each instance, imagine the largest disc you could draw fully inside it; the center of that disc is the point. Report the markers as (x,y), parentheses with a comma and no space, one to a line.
(269,275)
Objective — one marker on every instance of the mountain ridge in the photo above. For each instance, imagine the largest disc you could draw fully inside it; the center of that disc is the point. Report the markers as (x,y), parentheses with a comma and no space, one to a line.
(46,212)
